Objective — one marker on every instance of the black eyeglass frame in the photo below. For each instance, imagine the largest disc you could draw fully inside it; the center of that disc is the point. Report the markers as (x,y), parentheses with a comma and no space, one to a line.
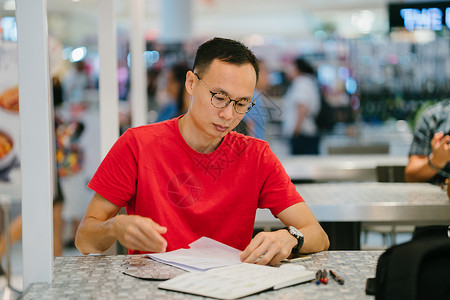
(250,106)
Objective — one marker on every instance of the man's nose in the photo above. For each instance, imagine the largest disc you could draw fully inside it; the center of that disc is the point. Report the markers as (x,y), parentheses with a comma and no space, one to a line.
(227,112)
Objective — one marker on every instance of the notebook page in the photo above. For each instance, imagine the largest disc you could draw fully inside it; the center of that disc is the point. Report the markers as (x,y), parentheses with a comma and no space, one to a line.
(203,254)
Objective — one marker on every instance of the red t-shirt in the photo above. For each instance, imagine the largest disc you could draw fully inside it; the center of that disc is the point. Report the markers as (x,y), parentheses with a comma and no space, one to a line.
(154,173)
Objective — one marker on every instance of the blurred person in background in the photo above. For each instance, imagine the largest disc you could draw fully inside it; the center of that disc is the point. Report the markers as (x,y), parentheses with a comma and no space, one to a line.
(256,119)
(177,102)
(429,156)
(73,137)
(152,86)
(69,161)
(77,156)
(15,227)
(301,106)
(75,83)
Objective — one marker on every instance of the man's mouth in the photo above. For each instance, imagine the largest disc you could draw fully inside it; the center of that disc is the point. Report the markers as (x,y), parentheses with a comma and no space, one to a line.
(221,128)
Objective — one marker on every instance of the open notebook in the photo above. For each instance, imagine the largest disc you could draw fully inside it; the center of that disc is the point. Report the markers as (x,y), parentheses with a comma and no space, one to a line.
(236,281)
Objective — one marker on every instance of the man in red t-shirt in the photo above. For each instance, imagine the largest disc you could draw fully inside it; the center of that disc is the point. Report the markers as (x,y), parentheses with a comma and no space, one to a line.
(191,176)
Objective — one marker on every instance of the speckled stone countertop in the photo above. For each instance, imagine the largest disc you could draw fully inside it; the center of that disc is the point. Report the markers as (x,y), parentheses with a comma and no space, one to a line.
(102,277)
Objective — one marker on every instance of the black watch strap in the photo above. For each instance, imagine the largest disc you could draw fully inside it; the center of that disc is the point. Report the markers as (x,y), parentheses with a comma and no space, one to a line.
(298,235)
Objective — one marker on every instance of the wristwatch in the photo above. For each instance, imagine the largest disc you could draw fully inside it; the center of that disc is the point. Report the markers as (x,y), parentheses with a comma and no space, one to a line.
(299,236)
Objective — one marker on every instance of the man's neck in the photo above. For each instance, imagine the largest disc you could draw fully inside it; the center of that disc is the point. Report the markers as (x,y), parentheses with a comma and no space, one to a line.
(194,137)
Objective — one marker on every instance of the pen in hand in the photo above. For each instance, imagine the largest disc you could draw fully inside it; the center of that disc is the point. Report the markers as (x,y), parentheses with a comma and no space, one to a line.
(336,277)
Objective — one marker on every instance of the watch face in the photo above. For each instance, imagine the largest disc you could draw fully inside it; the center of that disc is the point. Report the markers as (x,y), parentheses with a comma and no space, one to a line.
(298,235)
(295,232)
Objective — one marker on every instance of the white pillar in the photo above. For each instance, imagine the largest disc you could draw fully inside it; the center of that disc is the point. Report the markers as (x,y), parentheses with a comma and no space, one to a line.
(108,81)
(138,99)
(176,18)
(108,84)
(36,135)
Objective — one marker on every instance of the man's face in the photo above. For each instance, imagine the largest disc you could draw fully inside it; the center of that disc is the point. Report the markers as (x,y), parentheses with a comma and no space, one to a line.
(236,82)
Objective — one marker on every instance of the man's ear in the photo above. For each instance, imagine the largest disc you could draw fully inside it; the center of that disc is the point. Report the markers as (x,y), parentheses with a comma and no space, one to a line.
(189,83)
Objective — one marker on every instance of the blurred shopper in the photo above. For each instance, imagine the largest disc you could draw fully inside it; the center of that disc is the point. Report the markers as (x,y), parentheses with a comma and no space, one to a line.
(77,158)
(301,106)
(69,162)
(152,86)
(75,83)
(15,227)
(256,119)
(178,99)
(429,156)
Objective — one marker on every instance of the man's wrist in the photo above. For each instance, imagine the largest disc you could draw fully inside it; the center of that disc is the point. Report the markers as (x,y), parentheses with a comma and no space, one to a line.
(294,239)
(299,238)
(431,164)
(112,226)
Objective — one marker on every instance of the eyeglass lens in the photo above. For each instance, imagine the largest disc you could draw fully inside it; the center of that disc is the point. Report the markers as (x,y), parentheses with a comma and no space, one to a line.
(221,101)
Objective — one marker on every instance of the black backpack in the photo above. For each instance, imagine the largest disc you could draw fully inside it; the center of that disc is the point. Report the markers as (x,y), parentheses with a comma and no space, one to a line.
(415,270)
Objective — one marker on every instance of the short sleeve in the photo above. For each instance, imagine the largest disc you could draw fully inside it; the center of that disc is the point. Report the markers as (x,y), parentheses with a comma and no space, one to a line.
(305,91)
(116,177)
(278,192)
(423,133)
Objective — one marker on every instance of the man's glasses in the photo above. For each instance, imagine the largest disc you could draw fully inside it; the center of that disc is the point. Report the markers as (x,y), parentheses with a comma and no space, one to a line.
(219,100)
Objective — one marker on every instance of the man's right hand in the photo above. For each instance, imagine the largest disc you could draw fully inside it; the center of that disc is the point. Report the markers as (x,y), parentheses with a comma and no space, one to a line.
(102,226)
(441,149)
(139,233)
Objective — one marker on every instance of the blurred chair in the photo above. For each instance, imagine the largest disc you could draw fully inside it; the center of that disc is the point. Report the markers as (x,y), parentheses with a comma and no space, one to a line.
(359,149)
(390,173)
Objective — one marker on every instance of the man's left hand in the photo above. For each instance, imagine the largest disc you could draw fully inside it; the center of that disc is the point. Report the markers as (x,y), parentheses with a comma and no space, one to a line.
(269,248)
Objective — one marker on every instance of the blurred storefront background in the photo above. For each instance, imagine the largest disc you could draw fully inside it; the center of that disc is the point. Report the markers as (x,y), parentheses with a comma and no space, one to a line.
(378,63)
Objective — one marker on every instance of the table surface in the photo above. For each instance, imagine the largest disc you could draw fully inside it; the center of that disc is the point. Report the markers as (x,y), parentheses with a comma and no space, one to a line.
(101,277)
(321,168)
(393,203)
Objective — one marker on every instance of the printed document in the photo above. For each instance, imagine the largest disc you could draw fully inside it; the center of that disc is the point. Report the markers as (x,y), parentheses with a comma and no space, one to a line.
(217,271)
(203,254)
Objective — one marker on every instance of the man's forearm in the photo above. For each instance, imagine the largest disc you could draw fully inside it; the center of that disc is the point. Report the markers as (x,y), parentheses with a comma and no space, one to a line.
(419,170)
(316,239)
(94,236)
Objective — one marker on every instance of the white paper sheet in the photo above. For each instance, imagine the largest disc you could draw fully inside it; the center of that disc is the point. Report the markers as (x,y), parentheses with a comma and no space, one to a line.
(203,254)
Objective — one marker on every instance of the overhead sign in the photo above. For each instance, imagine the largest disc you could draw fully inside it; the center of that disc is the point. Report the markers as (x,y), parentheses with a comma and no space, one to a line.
(420,15)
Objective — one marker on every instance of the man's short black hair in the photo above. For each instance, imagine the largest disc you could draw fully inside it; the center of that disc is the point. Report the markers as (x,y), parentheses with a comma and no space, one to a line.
(226,50)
